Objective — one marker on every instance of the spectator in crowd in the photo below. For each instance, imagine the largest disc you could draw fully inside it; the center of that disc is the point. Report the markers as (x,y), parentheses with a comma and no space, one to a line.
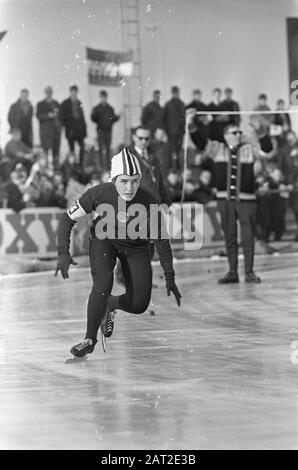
(198,105)
(73,119)
(162,149)
(51,196)
(30,185)
(86,173)
(228,104)
(12,194)
(235,183)
(70,168)
(95,179)
(58,178)
(272,195)
(174,125)
(282,123)
(152,178)
(289,167)
(106,177)
(19,177)
(93,155)
(103,115)
(174,185)
(190,184)
(3,194)
(152,113)
(48,114)
(203,193)
(217,123)
(74,189)
(46,192)
(59,199)
(17,151)
(265,120)
(197,102)
(20,117)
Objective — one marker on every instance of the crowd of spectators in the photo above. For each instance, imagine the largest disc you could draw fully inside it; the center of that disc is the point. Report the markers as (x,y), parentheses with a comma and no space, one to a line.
(39,176)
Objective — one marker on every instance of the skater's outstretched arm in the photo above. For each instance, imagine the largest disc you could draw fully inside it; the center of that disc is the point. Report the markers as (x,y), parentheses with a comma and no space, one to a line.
(63,241)
(164,251)
(79,209)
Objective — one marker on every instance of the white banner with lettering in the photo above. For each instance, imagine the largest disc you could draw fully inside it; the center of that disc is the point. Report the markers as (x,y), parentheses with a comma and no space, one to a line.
(32,231)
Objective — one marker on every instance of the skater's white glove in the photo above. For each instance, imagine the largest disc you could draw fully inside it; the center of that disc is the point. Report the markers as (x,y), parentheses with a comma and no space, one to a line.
(63,263)
(171,287)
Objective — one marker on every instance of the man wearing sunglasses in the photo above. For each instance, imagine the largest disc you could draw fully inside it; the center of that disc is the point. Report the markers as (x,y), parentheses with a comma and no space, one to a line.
(234,180)
(152,180)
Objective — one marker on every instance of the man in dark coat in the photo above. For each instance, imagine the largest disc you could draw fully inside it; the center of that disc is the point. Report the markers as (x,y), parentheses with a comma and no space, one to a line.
(289,167)
(218,122)
(228,104)
(198,105)
(152,178)
(20,117)
(104,117)
(73,119)
(47,113)
(197,102)
(152,113)
(174,124)
(282,122)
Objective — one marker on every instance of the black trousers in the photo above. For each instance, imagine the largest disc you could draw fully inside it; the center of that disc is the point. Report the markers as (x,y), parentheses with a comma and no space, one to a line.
(81,143)
(137,274)
(55,147)
(104,142)
(175,143)
(245,212)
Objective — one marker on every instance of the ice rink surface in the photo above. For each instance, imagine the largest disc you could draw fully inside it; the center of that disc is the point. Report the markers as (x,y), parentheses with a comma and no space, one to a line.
(218,373)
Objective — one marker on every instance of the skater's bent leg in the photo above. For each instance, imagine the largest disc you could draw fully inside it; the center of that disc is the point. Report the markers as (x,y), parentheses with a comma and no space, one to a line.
(102,262)
(137,273)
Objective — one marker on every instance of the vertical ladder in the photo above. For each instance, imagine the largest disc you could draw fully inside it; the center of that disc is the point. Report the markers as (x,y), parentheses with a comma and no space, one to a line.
(132,90)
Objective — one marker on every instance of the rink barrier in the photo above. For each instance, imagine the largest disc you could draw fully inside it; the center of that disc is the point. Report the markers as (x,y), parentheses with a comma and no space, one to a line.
(31,233)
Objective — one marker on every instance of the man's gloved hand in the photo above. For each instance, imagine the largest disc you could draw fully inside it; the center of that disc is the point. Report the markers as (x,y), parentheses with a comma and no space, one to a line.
(171,287)
(63,263)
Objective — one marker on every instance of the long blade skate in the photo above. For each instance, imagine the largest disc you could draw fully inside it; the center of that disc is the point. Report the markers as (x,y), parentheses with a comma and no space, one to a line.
(103,341)
(151,308)
(74,359)
(107,327)
(81,350)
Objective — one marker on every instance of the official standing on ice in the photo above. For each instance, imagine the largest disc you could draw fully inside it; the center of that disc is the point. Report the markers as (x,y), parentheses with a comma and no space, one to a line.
(235,184)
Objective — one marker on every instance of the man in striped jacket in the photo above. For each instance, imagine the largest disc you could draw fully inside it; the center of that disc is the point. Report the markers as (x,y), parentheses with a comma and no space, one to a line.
(234,180)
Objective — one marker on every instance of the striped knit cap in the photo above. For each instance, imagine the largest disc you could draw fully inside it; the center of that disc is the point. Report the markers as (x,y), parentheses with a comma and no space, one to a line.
(125,163)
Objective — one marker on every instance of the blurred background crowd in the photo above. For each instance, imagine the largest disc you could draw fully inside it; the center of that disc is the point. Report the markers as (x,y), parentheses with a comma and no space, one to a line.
(34,172)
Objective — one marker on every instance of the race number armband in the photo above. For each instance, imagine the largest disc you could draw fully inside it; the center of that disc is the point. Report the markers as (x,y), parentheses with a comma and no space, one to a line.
(76,211)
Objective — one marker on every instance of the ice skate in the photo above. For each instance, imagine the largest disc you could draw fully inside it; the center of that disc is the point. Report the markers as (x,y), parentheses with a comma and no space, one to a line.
(80,350)
(107,327)
(103,341)
(74,359)
(151,308)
